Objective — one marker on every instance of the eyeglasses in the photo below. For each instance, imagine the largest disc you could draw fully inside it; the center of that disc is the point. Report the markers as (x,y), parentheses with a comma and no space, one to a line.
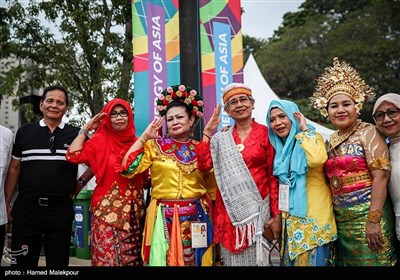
(53,149)
(391,113)
(235,102)
(114,114)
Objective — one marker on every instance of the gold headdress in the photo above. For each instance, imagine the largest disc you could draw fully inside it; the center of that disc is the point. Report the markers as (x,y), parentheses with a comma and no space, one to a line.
(340,79)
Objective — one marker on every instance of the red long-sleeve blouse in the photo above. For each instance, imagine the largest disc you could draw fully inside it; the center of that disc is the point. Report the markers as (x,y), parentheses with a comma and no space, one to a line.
(258,156)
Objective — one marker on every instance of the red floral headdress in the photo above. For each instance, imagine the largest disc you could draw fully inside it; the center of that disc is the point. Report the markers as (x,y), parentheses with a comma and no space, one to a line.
(183,94)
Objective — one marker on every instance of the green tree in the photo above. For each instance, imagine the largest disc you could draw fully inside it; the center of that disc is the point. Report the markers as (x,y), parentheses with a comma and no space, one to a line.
(88,49)
(363,33)
(251,45)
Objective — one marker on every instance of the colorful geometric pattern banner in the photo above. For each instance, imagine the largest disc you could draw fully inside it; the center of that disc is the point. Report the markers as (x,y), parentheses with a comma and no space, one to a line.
(156,57)
(221,51)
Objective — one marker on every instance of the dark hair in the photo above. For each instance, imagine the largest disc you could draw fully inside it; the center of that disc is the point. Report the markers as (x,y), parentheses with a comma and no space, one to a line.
(51,88)
(176,103)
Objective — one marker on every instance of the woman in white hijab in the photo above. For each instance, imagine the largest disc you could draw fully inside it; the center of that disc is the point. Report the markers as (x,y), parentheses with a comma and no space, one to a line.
(386,114)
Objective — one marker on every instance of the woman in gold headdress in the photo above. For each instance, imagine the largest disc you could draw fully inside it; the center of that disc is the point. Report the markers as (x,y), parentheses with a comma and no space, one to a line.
(358,169)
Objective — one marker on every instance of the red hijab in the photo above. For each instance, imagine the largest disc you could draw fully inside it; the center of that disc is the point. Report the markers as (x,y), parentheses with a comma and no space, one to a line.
(112,142)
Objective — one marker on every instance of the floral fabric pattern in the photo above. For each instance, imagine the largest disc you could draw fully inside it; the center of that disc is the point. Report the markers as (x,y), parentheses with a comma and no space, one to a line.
(305,234)
(115,247)
(183,152)
(115,208)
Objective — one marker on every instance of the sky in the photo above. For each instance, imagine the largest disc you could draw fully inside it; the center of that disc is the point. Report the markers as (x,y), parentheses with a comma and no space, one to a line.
(262,17)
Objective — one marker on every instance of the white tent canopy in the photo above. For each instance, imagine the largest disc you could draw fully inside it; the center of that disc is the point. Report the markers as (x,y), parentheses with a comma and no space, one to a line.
(263,94)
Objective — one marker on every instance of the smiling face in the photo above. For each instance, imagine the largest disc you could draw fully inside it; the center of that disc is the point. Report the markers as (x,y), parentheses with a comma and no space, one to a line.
(342,112)
(239,106)
(389,126)
(54,106)
(119,117)
(280,123)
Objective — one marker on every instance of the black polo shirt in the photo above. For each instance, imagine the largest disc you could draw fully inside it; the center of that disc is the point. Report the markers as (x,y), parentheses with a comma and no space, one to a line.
(43,172)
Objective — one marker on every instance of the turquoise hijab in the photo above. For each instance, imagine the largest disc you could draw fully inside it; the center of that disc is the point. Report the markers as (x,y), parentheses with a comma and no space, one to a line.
(290,162)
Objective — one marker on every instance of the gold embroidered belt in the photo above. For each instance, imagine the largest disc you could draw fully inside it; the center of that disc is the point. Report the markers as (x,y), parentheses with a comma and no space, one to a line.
(337,182)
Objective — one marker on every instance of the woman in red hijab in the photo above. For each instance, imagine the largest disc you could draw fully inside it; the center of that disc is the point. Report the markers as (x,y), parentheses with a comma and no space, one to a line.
(117,204)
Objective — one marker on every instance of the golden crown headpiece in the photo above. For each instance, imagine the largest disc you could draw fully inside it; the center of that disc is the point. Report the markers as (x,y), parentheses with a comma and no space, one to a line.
(340,78)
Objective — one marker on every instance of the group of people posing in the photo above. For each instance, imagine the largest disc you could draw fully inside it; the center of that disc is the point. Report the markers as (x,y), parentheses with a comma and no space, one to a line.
(225,199)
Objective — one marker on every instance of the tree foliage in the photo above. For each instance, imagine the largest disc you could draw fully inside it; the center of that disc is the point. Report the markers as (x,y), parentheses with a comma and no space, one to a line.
(363,33)
(85,46)
(251,45)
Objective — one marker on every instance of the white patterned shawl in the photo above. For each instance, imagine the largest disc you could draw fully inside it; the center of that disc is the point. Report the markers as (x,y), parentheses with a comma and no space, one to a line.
(246,208)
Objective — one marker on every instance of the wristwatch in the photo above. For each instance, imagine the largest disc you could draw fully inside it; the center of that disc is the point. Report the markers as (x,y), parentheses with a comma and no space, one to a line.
(82,181)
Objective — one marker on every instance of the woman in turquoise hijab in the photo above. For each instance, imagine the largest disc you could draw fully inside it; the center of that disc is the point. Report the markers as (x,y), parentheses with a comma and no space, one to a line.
(308,223)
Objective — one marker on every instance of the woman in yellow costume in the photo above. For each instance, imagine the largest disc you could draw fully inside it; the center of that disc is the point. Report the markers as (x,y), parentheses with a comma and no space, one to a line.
(179,204)
(308,223)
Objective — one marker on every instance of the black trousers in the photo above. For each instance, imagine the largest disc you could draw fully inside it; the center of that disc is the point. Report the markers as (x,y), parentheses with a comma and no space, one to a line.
(2,237)
(37,220)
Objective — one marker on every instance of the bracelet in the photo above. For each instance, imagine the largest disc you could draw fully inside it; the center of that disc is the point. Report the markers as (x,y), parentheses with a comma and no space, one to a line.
(374,216)
(141,139)
(84,132)
(206,135)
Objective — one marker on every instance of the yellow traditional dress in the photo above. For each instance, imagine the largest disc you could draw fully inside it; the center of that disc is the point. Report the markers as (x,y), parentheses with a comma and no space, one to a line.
(352,157)
(318,228)
(178,187)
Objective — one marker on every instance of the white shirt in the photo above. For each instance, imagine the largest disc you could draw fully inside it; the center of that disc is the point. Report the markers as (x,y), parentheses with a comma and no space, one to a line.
(394,183)
(6,144)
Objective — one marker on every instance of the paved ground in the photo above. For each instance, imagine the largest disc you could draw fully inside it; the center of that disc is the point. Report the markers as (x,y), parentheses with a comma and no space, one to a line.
(73,261)
(78,262)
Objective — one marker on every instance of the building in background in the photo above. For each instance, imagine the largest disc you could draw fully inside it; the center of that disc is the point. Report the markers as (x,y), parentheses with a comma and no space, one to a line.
(8,117)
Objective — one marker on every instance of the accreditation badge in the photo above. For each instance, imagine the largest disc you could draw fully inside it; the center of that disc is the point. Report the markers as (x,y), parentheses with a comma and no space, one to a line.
(283,200)
(199,235)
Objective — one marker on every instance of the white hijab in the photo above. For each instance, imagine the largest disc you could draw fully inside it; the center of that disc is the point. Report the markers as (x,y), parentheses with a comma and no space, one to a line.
(393,98)
(389,97)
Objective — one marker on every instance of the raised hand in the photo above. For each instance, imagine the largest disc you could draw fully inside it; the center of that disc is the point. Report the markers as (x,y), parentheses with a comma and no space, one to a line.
(301,119)
(214,121)
(95,122)
(152,130)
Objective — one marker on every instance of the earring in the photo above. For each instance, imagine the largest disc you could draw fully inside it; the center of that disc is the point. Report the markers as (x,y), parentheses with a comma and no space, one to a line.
(191,134)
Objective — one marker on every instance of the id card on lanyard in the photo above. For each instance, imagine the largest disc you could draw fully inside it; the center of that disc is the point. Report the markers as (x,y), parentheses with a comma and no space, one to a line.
(283,201)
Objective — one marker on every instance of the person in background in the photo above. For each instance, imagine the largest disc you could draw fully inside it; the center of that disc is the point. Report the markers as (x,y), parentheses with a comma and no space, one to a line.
(386,114)
(6,143)
(247,195)
(43,210)
(309,227)
(179,191)
(358,168)
(117,204)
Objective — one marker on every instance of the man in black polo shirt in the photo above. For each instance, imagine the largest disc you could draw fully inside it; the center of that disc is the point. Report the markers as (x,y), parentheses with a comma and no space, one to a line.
(46,183)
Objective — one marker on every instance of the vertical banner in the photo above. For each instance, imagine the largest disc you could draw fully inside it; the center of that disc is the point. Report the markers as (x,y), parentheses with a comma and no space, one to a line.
(155,26)
(221,51)
(223,65)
